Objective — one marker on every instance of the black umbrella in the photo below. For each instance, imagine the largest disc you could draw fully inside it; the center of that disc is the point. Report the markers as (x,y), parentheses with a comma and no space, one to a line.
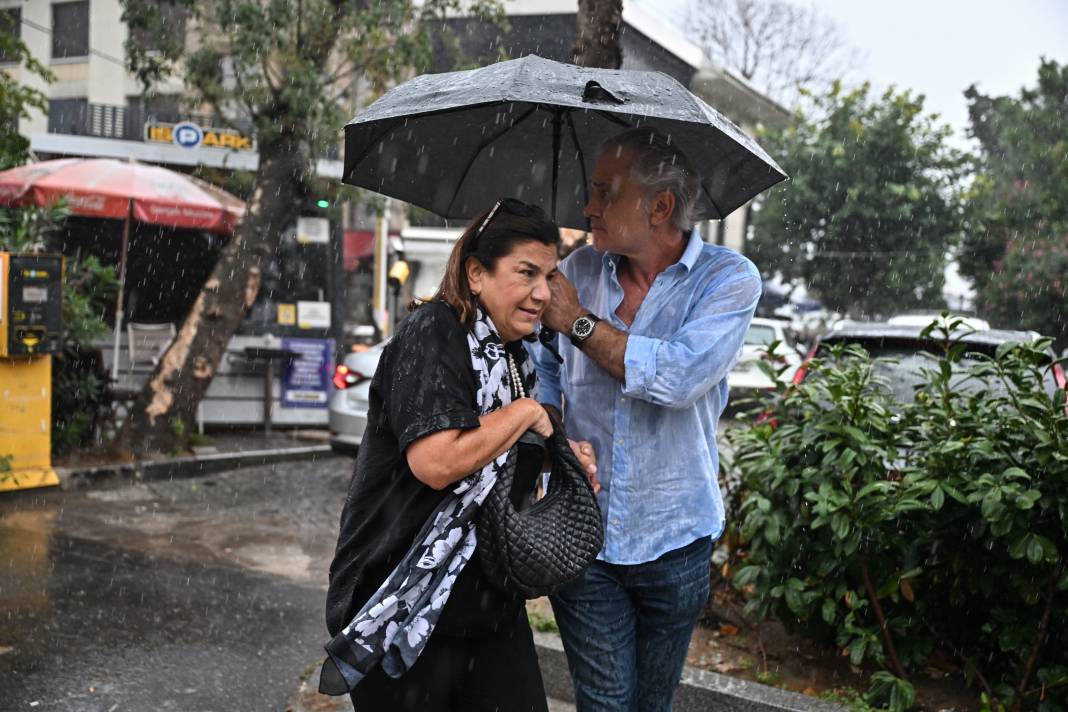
(530,128)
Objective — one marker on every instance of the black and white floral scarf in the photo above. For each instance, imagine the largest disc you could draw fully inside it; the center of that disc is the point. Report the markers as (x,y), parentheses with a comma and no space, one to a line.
(395,624)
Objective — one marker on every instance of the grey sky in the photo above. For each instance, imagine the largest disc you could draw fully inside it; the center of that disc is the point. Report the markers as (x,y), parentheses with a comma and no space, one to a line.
(940,47)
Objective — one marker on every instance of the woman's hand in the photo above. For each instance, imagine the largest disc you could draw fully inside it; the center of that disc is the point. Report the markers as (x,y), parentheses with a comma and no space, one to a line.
(539,418)
(447,456)
(588,459)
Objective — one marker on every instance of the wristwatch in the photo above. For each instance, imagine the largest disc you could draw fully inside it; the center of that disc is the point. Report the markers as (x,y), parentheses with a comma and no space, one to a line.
(581,329)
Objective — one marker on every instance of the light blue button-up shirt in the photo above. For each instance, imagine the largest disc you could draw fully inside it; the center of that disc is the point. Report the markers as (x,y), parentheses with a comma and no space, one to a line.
(655,434)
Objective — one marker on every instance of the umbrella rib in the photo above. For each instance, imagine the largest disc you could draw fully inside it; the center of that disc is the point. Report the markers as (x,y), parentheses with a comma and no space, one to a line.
(481,147)
(556,156)
(582,159)
(708,194)
(614,118)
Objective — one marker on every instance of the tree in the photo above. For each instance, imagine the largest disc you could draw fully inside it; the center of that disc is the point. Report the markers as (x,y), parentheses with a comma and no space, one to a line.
(16,98)
(871,208)
(288,69)
(598,24)
(1015,247)
(779,47)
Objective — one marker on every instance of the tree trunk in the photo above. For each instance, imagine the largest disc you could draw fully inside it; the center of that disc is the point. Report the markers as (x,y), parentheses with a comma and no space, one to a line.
(599,23)
(164,412)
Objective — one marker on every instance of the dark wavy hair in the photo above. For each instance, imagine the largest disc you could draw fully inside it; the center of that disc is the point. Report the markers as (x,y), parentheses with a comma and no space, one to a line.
(497,240)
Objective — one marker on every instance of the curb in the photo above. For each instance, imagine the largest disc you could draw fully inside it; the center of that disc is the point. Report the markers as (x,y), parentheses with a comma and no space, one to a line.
(698,691)
(76,478)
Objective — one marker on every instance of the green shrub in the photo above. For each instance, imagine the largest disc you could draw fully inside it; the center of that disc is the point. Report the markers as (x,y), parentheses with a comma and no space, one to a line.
(894,529)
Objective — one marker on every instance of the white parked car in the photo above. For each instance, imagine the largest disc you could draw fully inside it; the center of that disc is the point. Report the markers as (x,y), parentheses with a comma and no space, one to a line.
(349,401)
(746,374)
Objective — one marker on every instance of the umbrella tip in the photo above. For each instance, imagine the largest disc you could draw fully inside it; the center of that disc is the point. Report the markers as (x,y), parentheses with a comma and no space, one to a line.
(595,92)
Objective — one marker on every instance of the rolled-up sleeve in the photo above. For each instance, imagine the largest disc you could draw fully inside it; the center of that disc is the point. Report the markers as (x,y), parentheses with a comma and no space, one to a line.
(675,371)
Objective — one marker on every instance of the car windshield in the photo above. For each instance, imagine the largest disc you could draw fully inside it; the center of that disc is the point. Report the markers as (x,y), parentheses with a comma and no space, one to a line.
(759,335)
(903,372)
(901,368)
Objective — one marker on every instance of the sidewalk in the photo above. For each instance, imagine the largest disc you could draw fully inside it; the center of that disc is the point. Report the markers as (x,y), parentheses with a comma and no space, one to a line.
(224,450)
(699,690)
(308,700)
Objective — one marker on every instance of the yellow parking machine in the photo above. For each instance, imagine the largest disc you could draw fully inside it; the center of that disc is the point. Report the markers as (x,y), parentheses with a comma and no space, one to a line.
(31,307)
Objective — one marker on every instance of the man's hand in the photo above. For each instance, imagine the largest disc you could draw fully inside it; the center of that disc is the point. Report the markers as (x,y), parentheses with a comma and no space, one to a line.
(563,307)
(588,459)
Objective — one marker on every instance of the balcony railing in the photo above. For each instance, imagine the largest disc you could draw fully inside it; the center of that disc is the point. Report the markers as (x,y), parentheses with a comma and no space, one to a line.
(78,117)
(107,120)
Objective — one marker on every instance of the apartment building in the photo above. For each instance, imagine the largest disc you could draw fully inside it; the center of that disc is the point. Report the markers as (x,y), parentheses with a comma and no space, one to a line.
(97,108)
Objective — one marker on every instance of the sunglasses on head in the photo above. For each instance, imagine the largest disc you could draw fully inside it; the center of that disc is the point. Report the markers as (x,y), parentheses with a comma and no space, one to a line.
(516,207)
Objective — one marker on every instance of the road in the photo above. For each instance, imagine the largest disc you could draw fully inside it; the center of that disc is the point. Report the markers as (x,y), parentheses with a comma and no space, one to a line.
(193,595)
(196,595)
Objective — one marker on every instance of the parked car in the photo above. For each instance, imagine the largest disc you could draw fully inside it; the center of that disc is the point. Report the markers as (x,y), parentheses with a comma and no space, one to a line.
(746,376)
(907,351)
(349,401)
(922,319)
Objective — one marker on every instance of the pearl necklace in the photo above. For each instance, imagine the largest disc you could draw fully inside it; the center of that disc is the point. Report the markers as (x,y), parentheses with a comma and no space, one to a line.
(513,374)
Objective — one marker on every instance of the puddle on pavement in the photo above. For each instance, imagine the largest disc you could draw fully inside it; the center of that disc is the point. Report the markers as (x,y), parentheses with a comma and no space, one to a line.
(25,567)
(134,493)
(25,556)
(287,560)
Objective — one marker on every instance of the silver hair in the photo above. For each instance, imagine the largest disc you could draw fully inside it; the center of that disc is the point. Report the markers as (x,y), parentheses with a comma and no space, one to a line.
(659,165)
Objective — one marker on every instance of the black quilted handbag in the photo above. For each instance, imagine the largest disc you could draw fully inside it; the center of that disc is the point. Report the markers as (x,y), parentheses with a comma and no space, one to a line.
(534,549)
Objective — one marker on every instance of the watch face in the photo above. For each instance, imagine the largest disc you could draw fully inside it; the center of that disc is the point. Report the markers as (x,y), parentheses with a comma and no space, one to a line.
(582,327)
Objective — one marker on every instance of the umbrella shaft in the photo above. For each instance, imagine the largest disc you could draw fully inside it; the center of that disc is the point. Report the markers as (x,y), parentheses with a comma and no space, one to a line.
(557,127)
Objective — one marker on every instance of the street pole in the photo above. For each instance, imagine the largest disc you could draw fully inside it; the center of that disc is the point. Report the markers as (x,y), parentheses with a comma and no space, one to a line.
(381,303)
(122,288)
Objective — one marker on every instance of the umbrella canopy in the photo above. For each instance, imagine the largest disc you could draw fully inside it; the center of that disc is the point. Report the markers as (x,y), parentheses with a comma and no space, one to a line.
(530,128)
(107,188)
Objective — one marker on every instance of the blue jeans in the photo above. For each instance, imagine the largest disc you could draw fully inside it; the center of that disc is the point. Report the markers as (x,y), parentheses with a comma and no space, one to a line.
(626,628)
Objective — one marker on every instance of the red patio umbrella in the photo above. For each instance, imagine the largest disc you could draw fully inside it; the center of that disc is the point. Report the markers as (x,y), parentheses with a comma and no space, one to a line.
(107,188)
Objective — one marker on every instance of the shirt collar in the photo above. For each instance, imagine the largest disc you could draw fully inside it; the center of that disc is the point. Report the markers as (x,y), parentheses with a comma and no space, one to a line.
(692,251)
(687,260)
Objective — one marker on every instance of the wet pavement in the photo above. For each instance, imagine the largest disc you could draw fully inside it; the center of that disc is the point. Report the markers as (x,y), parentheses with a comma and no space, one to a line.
(202,594)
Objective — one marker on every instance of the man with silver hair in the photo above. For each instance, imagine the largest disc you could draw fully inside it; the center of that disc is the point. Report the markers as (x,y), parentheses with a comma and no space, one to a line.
(656,319)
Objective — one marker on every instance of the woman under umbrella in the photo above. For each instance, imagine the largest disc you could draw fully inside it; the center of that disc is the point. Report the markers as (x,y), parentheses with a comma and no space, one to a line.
(419,627)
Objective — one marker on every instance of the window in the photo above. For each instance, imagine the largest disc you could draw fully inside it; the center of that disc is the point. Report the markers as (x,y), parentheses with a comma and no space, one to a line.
(164,107)
(759,335)
(10,24)
(70,29)
(68,116)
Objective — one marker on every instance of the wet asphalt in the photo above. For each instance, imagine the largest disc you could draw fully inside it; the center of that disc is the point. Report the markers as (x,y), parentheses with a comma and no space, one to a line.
(195,595)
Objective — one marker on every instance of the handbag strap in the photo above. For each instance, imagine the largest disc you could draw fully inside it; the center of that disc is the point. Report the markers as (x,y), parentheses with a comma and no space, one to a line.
(532,438)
